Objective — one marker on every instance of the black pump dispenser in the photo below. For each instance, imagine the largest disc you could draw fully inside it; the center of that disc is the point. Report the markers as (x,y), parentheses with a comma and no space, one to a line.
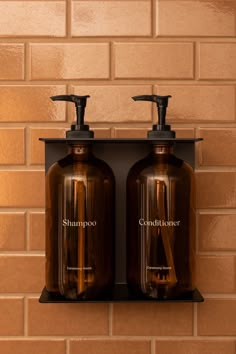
(78,130)
(160,130)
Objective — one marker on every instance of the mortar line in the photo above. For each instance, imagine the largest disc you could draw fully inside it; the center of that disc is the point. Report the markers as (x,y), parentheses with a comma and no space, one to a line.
(27,233)
(67,346)
(154,13)
(25,316)
(111,61)
(142,124)
(195,320)
(120,38)
(32,168)
(27,63)
(21,210)
(196,60)
(68,18)
(196,232)
(153,346)
(121,338)
(27,146)
(217,253)
(26,253)
(216,211)
(123,81)
(110,319)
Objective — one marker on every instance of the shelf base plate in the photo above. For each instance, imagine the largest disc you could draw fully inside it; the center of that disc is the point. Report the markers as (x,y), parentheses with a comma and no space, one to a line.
(120,294)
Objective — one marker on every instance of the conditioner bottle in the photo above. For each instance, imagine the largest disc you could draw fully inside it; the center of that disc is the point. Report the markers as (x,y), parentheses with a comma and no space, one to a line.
(160,244)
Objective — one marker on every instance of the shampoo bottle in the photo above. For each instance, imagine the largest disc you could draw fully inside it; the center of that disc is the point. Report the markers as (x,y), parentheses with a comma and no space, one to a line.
(80,199)
(160,242)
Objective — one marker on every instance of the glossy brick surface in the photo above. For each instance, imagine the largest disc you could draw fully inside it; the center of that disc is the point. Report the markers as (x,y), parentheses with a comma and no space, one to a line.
(113,50)
(28,346)
(96,18)
(154,60)
(14,266)
(12,61)
(195,18)
(211,314)
(200,103)
(117,106)
(32,18)
(36,231)
(195,346)
(212,154)
(152,319)
(12,232)
(217,231)
(111,346)
(31,103)
(12,146)
(217,61)
(65,319)
(70,61)
(11,319)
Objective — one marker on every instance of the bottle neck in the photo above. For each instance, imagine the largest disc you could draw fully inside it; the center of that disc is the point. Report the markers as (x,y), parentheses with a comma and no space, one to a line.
(162,149)
(81,151)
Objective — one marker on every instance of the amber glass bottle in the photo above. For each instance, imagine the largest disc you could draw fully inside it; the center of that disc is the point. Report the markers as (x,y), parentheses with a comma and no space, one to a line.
(80,197)
(160,243)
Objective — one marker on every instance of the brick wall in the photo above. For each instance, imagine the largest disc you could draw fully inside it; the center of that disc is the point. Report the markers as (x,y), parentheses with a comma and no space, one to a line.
(113,50)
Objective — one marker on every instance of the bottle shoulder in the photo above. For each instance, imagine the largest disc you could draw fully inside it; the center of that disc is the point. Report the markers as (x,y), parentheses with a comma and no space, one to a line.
(152,165)
(70,165)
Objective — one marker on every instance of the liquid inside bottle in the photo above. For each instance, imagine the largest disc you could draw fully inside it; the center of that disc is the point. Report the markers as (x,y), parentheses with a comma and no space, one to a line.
(80,200)
(160,243)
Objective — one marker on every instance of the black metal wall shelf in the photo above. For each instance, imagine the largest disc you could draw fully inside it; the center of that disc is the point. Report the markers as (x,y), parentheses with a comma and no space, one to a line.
(120,154)
(120,293)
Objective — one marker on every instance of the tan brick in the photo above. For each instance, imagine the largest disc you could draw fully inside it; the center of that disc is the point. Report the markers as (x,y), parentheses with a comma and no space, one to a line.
(211,229)
(37,231)
(195,18)
(218,147)
(31,268)
(11,319)
(67,319)
(216,274)
(114,103)
(31,104)
(32,18)
(12,146)
(12,231)
(151,319)
(184,132)
(28,346)
(109,346)
(11,61)
(131,132)
(101,132)
(216,189)
(96,18)
(22,188)
(37,148)
(142,132)
(70,61)
(154,60)
(195,347)
(217,317)
(217,61)
(199,103)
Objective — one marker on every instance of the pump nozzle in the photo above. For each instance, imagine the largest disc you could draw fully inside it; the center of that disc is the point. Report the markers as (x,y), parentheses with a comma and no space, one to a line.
(160,130)
(78,130)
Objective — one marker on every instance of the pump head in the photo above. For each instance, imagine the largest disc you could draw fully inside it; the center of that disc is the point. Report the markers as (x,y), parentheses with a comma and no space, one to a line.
(160,130)
(78,130)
